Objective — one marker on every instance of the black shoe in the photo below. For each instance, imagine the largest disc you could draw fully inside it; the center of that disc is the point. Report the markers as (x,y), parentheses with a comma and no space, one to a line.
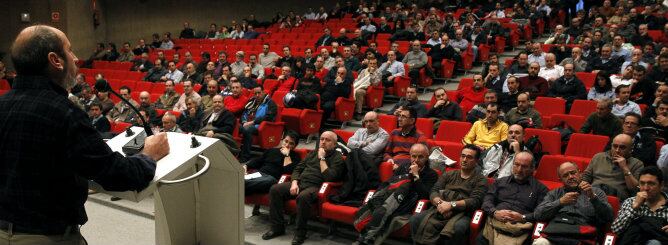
(113,199)
(298,239)
(271,234)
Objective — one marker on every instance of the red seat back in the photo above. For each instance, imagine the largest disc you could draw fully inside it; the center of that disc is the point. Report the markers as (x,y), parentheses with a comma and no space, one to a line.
(585,145)
(587,78)
(548,106)
(426,126)
(547,168)
(452,131)
(388,122)
(550,139)
(583,107)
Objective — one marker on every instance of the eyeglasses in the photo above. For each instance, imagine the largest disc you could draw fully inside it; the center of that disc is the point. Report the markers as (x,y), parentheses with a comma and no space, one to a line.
(464,156)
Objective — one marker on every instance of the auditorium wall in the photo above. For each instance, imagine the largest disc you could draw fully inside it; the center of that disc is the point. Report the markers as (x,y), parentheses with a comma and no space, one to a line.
(129,20)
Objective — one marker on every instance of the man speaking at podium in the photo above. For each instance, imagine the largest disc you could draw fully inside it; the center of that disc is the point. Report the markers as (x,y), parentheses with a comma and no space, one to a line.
(49,149)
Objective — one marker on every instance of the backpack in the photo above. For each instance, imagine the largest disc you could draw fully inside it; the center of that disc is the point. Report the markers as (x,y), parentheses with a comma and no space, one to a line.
(536,147)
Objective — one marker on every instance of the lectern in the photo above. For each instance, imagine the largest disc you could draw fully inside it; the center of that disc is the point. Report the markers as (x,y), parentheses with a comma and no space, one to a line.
(198,191)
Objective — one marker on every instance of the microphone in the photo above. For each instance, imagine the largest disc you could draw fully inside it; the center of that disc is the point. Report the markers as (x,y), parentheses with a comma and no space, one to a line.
(103,86)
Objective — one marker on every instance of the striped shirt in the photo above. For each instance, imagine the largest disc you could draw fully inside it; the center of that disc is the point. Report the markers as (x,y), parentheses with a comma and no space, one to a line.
(627,214)
(399,146)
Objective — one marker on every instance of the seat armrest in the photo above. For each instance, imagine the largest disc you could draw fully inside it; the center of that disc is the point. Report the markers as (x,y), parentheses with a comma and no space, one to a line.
(422,205)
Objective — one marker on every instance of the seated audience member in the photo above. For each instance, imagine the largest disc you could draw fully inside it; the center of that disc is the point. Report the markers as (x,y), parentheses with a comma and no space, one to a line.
(510,203)
(471,96)
(605,62)
(534,84)
(369,76)
(395,201)
(659,94)
(121,111)
(237,67)
(498,160)
(337,84)
(658,120)
(622,104)
(247,80)
(494,79)
(259,108)
(602,89)
(257,70)
(454,197)
(576,201)
(188,92)
(212,90)
(443,109)
(479,111)
(169,98)
(568,87)
(307,90)
(602,122)
(391,69)
(642,88)
(87,97)
(145,105)
(217,120)
(579,63)
(328,61)
(489,131)
(626,78)
(508,100)
(191,118)
(537,54)
(643,219)
(618,50)
(521,66)
(236,101)
(156,73)
(323,164)
(644,146)
(371,138)
(398,146)
(271,165)
(267,58)
(493,60)
(411,100)
(326,38)
(615,171)
(98,120)
(351,62)
(169,123)
(192,75)
(416,60)
(659,71)
(524,114)
(636,59)
(173,74)
(126,55)
(105,101)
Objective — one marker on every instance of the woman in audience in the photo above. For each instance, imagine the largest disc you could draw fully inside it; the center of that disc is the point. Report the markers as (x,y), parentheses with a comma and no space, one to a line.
(602,88)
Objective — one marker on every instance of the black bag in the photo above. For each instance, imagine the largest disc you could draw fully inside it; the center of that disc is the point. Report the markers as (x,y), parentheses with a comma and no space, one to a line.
(536,147)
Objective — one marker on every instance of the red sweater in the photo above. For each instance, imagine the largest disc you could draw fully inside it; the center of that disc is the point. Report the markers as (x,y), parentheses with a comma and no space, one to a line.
(398,147)
(286,85)
(235,105)
(468,98)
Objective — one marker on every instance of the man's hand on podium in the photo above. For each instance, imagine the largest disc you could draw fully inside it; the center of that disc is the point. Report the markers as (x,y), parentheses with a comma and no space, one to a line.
(156,146)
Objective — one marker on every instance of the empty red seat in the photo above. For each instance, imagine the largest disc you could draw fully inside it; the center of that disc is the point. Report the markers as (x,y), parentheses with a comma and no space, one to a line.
(548,106)
(387,122)
(426,126)
(118,127)
(583,107)
(144,86)
(447,68)
(587,78)
(452,131)
(4,84)
(585,145)
(374,97)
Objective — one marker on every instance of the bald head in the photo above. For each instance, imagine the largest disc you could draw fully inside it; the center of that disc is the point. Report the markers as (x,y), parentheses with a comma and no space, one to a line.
(34,48)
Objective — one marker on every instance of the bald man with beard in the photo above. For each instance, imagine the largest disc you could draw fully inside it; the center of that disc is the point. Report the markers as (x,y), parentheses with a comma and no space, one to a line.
(44,182)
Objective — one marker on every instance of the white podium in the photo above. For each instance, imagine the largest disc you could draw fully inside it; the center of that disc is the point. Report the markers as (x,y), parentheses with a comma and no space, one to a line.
(198,192)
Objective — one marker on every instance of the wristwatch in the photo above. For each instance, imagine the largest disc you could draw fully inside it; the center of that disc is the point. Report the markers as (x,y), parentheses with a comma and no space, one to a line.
(453,204)
(627,173)
(322,159)
(524,217)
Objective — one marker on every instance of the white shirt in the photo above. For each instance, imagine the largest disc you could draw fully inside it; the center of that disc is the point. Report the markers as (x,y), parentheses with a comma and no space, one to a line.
(537,58)
(175,75)
(551,73)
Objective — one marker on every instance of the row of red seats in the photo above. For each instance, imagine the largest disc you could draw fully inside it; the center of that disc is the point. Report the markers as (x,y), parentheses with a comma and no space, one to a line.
(113,74)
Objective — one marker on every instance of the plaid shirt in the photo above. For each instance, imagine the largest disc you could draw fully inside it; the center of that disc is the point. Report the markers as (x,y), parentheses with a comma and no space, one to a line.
(627,215)
(49,151)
